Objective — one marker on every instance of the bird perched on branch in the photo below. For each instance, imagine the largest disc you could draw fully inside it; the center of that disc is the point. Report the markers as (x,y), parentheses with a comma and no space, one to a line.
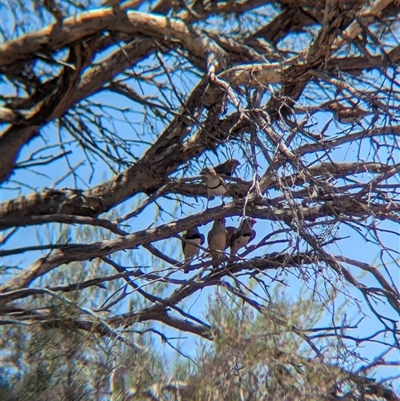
(189,247)
(217,240)
(229,232)
(243,235)
(214,183)
(227,168)
(347,115)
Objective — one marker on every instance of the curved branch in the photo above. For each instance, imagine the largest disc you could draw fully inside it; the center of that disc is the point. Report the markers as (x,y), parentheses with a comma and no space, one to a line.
(84,252)
(82,203)
(60,218)
(75,29)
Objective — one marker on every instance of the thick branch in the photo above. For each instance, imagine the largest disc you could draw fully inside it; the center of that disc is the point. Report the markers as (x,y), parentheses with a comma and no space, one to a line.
(86,252)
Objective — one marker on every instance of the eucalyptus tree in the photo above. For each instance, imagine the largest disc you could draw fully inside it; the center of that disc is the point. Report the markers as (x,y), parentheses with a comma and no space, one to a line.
(110,112)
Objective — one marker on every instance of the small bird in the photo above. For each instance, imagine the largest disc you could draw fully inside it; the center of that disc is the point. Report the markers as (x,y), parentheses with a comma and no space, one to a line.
(215,184)
(230,231)
(8,115)
(189,249)
(227,168)
(217,240)
(242,236)
(347,115)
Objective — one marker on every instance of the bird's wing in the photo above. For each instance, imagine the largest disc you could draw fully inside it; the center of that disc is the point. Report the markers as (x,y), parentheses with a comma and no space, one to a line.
(209,235)
(252,236)
(229,232)
(234,237)
(223,183)
(193,236)
(221,168)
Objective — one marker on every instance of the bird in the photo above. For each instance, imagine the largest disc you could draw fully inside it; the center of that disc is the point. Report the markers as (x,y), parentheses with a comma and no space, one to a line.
(8,115)
(217,240)
(229,232)
(227,168)
(189,249)
(215,184)
(347,115)
(243,235)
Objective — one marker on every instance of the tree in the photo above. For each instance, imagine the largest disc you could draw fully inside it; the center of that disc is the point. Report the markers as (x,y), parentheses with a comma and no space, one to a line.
(109,114)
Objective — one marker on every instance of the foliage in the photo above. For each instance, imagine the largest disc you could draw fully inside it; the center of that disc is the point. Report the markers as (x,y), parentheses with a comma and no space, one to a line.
(109,113)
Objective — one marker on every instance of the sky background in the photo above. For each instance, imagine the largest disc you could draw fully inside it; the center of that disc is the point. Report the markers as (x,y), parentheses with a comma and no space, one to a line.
(24,182)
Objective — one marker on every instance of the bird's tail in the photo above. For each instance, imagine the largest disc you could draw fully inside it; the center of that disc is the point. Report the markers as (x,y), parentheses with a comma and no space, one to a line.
(186,266)
(217,258)
(233,253)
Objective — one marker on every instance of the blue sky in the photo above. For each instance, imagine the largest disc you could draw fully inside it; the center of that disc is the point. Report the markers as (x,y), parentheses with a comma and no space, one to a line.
(25,182)
(357,248)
